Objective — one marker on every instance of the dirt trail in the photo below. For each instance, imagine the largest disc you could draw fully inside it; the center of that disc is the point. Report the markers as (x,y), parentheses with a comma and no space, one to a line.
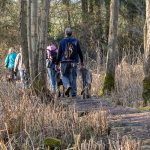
(123,120)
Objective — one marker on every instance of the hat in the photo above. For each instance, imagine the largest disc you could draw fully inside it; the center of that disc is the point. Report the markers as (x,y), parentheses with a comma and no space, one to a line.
(51,47)
(68,30)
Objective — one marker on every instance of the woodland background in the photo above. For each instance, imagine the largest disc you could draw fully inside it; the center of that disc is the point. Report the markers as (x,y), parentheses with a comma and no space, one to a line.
(114,37)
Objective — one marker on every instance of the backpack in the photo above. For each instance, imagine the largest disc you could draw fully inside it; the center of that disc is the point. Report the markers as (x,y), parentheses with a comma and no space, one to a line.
(53,54)
(69,50)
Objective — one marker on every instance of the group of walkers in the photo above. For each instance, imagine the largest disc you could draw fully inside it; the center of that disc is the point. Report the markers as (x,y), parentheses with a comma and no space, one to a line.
(14,64)
(62,61)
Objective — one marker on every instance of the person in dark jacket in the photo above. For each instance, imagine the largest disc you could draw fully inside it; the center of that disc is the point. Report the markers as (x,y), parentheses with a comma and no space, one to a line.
(69,53)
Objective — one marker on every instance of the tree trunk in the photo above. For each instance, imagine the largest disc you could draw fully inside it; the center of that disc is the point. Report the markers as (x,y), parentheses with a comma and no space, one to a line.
(32,31)
(43,43)
(91,6)
(67,4)
(84,5)
(109,80)
(107,16)
(34,43)
(23,29)
(29,35)
(85,25)
(146,81)
(98,34)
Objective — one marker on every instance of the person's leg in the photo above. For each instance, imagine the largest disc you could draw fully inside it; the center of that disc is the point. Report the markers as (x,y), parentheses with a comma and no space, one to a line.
(52,79)
(12,74)
(22,78)
(9,75)
(64,76)
(73,80)
(21,72)
(65,79)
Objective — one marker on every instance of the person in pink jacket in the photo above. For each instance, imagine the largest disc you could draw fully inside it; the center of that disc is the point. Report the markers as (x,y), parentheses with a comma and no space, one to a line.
(51,66)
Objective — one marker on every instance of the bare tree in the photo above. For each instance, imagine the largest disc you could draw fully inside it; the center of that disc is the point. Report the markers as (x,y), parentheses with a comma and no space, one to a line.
(42,44)
(84,10)
(29,33)
(37,41)
(23,30)
(98,33)
(67,4)
(107,16)
(146,81)
(34,41)
(109,80)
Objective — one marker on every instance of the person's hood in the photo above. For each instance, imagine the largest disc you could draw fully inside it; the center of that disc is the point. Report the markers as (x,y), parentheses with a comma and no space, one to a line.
(51,47)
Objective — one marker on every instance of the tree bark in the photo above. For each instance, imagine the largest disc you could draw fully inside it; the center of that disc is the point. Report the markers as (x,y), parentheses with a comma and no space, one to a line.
(67,4)
(98,34)
(34,44)
(146,80)
(23,30)
(43,43)
(91,6)
(32,31)
(109,81)
(107,16)
(29,35)
(84,5)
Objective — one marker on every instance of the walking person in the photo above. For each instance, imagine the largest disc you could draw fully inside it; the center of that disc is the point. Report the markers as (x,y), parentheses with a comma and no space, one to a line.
(9,63)
(69,53)
(51,66)
(19,65)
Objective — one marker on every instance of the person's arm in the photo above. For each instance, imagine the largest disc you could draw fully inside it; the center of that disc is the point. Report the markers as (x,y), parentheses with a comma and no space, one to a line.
(80,52)
(59,54)
(48,54)
(7,61)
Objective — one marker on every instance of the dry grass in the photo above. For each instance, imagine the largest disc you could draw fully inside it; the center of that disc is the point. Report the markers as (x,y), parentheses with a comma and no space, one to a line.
(128,89)
(125,144)
(26,121)
(129,84)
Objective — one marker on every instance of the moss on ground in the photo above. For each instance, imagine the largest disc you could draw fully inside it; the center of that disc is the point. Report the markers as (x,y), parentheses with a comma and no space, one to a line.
(147,108)
(52,143)
(146,91)
(109,84)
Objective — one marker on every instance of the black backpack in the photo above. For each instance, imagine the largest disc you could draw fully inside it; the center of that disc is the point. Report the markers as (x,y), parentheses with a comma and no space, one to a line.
(53,56)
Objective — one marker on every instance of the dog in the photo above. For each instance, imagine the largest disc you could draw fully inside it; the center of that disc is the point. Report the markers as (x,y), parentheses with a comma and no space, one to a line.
(60,87)
(86,77)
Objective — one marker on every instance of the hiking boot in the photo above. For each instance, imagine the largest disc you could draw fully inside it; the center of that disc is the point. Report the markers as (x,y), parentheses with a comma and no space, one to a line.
(67,92)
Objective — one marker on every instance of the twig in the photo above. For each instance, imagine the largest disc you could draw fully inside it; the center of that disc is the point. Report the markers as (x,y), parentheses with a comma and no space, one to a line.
(29,138)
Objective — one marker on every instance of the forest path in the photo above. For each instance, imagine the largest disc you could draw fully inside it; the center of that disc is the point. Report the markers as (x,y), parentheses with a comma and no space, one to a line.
(124,120)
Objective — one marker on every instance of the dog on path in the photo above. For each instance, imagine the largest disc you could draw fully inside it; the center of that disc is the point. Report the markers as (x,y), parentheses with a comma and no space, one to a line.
(86,77)
(60,87)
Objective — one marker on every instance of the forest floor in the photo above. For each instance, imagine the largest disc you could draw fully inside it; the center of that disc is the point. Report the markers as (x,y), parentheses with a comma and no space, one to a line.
(124,120)
(132,122)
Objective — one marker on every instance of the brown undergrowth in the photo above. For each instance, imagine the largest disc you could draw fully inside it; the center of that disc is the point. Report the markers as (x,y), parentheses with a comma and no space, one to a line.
(128,84)
(26,122)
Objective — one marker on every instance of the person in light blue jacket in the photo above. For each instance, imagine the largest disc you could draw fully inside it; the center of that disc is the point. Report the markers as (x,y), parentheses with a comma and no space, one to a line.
(10,62)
